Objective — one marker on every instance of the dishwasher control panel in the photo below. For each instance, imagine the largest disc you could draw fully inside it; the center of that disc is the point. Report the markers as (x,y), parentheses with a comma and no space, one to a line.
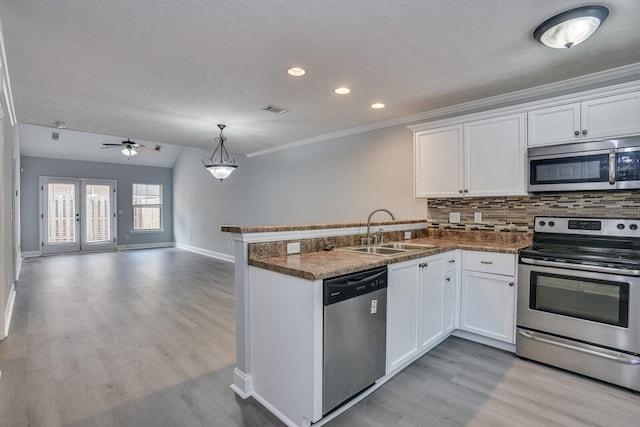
(352,285)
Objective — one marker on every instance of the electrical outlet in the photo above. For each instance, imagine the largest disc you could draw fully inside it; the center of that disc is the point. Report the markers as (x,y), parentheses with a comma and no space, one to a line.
(477,217)
(407,235)
(293,248)
(454,217)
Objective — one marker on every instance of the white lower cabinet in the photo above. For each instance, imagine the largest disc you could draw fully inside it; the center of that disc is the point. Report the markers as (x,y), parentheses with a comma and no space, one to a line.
(488,299)
(415,301)
(450,302)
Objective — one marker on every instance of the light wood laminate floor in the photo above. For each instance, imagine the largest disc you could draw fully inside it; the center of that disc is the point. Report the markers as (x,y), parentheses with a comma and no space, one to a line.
(146,338)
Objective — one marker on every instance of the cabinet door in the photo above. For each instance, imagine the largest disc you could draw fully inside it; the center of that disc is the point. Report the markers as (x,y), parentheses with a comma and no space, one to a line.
(449,302)
(488,302)
(494,156)
(431,300)
(438,162)
(554,124)
(402,313)
(611,116)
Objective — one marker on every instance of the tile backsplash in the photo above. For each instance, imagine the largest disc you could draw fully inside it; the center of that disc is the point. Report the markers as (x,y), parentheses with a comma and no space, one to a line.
(516,213)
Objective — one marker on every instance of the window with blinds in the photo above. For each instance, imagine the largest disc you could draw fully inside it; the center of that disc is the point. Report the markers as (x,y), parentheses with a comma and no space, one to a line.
(147,207)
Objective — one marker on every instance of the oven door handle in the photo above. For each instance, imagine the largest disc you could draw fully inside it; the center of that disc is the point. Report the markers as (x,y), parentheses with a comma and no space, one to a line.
(582,267)
(604,353)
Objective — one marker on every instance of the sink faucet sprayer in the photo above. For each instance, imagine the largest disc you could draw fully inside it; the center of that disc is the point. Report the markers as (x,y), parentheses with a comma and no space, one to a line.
(368,239)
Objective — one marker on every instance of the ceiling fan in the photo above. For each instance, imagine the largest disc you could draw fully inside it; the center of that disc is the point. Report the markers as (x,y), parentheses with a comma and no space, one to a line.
(129,147)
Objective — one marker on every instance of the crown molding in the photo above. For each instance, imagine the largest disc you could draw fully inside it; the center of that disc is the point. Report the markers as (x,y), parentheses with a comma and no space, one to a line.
(576,83)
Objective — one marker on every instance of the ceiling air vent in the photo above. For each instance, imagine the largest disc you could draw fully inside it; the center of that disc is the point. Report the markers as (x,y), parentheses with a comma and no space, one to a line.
(275,109)
(55,136)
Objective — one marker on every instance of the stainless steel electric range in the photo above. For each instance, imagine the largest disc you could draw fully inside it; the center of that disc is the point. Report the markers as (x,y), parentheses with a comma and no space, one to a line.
(579,297)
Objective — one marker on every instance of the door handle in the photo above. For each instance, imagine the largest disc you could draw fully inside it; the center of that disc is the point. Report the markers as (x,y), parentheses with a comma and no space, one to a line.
(612,167)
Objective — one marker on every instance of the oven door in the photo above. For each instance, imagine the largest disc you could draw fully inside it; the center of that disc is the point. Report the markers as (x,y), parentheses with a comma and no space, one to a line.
(592,170)
(588,306)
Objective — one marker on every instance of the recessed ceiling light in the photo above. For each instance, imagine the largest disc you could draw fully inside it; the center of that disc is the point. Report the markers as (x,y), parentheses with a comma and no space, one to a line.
(296,71)
(377,105)
(342,90)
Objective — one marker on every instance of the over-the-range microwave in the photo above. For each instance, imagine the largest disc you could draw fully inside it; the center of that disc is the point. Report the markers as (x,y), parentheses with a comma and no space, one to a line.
(612,164)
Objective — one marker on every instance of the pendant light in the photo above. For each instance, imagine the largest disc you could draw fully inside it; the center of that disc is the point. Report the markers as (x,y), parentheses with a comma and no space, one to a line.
(572,27)
(222,166)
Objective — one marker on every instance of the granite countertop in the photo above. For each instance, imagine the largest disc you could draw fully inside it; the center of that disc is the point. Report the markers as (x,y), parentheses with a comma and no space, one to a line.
(244,229)
(326,264)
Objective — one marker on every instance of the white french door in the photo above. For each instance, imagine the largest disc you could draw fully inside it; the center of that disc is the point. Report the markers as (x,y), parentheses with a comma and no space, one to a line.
(77,215)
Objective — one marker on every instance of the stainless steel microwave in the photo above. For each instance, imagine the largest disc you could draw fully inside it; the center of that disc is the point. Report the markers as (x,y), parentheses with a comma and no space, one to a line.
(612,164)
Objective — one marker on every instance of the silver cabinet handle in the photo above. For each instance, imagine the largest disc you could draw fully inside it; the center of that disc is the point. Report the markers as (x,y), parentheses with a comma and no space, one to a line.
(511,283)
(448,279)
(486,262)
(466,191)
(584,131)
(460,191)
(451,261)
(604,353)
(577,133)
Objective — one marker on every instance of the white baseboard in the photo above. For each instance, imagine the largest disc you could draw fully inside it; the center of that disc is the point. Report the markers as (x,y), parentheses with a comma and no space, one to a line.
(145,246)
(206,252)
(18,267)
(242,384)
(30,254)
(8,310)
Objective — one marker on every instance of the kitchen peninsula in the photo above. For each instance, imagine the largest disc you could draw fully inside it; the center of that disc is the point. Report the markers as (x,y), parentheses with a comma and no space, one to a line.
(279,301)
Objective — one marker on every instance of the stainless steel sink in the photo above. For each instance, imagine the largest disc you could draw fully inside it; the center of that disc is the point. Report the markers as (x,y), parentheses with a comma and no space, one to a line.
(378,250)
(406,246)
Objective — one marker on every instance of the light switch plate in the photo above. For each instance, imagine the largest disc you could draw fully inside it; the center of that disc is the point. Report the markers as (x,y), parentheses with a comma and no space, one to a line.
(293,248)
(454,217)
(407,235)
(477,217)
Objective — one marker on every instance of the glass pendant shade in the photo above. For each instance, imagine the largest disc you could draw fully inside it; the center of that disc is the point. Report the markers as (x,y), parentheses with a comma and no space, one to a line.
(221,166)
(571,27)
(129,151)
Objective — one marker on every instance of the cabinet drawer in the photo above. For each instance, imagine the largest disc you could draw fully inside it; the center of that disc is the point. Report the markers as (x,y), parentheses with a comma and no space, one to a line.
(489,262)
(451,261)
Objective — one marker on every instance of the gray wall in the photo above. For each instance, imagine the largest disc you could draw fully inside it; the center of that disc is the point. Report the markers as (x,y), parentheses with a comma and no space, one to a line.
(338,180)
(125,175)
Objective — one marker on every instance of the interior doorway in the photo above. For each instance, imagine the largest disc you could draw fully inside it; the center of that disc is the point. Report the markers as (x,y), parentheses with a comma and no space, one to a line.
(77,215)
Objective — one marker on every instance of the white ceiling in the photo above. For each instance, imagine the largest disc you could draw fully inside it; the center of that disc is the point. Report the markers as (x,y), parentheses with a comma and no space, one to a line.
(169,71)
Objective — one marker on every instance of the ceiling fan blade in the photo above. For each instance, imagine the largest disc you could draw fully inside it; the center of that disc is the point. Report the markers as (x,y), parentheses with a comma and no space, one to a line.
(155,150)
(109,144)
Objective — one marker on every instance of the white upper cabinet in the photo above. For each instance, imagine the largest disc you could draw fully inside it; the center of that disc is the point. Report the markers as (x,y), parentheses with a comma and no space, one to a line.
(494,156)
(478,158)
(439,162)
(605,117)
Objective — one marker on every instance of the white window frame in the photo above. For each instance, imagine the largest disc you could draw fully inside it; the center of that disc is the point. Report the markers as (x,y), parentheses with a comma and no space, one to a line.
(160,206)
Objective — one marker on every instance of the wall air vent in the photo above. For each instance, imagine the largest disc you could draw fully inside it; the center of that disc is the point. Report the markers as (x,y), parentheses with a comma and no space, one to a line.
(275,109)
(55,136)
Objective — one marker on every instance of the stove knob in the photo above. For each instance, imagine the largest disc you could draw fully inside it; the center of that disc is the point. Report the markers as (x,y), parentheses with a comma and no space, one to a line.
(542,223)
(620,226)
(633,227)
(551,223)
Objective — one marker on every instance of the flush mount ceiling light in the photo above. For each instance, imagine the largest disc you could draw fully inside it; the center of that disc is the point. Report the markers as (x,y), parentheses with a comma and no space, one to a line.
(377,105)
(342,90)
(572,27)
(296,71)
(60,124)
(222,166)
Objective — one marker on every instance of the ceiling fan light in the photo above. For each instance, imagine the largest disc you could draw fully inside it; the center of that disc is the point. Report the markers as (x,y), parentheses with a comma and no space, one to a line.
(572,27)
(129,151)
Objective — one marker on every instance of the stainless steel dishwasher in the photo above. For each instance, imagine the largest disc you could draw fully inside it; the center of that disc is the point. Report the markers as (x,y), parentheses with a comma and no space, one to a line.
(355,330)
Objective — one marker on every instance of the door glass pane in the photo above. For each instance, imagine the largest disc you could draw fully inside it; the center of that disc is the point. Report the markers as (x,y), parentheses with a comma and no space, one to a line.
(61,207)
(98,214)
(598,300)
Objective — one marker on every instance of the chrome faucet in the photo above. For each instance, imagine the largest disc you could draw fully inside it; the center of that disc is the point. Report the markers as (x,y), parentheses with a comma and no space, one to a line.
(368,240)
